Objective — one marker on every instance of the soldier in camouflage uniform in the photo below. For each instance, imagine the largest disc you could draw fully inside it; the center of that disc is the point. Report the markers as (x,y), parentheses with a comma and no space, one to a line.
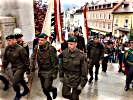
(73,70)
(95,53)
(17,57)
(21,42)
(46,57)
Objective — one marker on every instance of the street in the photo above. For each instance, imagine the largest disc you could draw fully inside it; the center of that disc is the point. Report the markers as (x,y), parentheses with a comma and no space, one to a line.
(110,86)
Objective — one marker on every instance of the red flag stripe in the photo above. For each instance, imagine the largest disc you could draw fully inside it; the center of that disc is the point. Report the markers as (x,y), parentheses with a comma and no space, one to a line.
(85,21)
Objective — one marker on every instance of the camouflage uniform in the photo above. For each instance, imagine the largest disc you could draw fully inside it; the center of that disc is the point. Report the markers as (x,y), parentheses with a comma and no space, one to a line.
(73,73)
(95,53)
(46,58)
(19,60)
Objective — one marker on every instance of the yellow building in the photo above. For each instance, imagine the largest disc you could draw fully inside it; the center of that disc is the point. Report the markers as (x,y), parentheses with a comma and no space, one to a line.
(123,19)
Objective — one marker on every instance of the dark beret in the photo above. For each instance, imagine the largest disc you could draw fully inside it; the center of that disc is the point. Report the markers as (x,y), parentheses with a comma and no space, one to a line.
(72,39)
(10,37)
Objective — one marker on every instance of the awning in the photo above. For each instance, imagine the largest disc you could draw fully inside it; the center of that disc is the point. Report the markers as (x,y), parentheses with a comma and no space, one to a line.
(123,29)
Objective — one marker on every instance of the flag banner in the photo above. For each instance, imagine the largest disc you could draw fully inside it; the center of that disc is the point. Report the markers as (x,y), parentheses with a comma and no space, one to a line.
(58,24)
(47,22)
(86,33)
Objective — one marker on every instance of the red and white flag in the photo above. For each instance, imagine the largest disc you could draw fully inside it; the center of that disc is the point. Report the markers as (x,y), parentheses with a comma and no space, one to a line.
(58,23)
(86,32)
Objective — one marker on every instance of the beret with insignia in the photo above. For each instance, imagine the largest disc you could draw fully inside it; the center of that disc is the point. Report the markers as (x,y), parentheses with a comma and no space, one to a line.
(72,39)
(42,35)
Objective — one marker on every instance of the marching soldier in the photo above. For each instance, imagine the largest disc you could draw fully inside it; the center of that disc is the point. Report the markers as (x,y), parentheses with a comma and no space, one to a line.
(73,70)
(46,57)
(17,57)
(21,42)
(95,53)
(128,61)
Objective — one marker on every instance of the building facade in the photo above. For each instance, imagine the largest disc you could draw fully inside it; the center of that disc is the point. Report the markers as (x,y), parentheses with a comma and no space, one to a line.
(123,19)
(100,18)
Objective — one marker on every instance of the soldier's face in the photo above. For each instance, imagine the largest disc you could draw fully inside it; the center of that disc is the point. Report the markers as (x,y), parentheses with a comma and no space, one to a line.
(72,46)
(42,41)
(19,40)
(11,42)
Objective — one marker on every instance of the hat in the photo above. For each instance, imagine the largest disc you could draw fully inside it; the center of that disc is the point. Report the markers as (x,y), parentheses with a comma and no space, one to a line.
(10,37)
(18,36)
(72,39)
(42,35)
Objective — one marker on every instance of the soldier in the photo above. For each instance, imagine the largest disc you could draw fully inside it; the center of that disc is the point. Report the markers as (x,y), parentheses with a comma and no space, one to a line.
(128,61)
(21,42)
(95,53)
(73,70)
(17,57)
(81,41)
(46,57)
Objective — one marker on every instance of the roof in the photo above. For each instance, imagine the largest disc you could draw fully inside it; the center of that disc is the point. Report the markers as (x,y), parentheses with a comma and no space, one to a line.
(123,7)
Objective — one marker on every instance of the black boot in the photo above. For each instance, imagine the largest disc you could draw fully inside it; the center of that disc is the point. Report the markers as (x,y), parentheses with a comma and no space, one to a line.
(96,77)
(54,91)
(90,80)
(126,88)
(26,89)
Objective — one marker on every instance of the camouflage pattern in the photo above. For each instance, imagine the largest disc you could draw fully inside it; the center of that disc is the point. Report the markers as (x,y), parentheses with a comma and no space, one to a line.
(73,69)
(46,57)
(19,60)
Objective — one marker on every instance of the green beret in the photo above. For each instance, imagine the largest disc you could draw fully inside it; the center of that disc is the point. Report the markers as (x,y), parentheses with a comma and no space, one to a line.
(10,37)
(18,36)
(72,39)
(42,35)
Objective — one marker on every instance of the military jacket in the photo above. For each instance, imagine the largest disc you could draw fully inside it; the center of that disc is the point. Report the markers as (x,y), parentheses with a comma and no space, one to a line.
(73,68)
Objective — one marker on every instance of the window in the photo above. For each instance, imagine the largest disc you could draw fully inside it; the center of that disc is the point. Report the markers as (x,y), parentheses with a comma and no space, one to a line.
(109,16)
(116,22)
(109,26)
(126,23)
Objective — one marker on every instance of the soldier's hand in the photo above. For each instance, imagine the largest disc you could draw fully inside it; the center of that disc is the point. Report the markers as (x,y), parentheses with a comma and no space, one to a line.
(79,87)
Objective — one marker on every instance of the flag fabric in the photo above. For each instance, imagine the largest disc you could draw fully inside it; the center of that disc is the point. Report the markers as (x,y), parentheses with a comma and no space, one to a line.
(86,33)
(58,23)
(47,22)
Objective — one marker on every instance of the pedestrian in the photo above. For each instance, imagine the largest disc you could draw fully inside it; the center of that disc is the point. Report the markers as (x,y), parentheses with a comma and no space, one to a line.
(128,62)
(20,41)
(17,57)
(95,54)
(80,41)
(106,57)
(45,55)
(73,70)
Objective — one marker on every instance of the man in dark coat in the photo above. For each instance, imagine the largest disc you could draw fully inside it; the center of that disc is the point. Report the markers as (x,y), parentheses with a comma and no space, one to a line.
(46,56)
(80,41)
(73,70)
(17,57)
(95,54)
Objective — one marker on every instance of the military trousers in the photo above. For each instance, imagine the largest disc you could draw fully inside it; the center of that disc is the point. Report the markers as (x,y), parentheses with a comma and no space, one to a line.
(66,93)
(46,84)
(129,76)
(18,79)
